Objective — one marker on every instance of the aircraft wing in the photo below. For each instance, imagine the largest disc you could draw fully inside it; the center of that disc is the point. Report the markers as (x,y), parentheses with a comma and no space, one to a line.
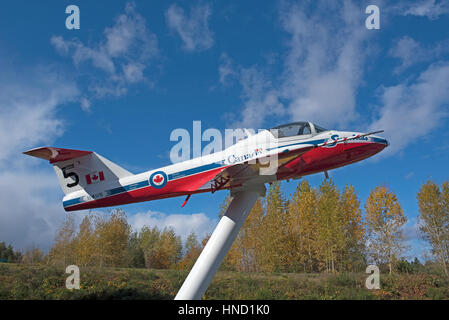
(238,174)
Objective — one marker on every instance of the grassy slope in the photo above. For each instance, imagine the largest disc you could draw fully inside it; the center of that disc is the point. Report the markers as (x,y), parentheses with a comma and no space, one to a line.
(43,282)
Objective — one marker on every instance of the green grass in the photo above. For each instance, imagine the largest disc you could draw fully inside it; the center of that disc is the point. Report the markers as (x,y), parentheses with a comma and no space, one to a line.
(46,282)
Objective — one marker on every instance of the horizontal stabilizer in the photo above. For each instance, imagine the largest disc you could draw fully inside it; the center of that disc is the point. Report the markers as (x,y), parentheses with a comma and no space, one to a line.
(56,154)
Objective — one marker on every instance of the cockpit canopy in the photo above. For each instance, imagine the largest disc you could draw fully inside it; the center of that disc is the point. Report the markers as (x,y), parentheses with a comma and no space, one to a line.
(296,129)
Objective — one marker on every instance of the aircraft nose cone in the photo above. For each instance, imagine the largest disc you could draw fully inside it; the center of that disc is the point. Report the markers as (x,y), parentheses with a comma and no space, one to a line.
(364,150)
(380,140)
(379,144)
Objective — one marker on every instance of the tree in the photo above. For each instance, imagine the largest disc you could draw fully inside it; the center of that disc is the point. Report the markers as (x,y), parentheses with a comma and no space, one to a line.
(149,241)
(224,206)
(273,255)
(33,255)
(405,266)
(135,255)
(85,243)
(302,228)
(245,252)
(7,253)
(384,219)
(193,250)
(434,220)
(353,250)
(112,235)
(250,239)
(231,260)
(162,250)
(63,250)
(330,241)
(170,248)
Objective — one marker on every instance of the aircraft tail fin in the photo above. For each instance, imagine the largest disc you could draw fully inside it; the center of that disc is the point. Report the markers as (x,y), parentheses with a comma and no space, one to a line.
(77,169)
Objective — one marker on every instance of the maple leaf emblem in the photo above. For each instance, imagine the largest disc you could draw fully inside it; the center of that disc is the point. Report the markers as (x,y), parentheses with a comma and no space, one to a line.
(158,179)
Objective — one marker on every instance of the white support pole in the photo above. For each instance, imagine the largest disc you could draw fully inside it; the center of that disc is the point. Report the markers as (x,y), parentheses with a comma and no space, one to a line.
(218,245)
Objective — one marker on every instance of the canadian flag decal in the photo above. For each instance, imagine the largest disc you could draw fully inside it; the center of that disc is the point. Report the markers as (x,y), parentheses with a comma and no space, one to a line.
(94,177)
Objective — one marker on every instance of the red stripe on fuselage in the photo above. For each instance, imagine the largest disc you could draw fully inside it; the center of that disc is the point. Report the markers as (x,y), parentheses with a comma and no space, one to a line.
(173,188)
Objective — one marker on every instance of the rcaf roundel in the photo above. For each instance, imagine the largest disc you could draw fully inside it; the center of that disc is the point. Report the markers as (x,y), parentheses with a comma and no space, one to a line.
(158,179)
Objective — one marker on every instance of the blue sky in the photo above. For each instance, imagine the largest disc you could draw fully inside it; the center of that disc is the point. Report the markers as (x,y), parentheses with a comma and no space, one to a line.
(135,71)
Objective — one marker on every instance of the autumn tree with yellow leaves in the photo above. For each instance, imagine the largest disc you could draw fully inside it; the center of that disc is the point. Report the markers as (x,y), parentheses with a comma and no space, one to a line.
(352,253)
(272,232)
(330,238)
(433,205)
(162,249)
(85,243)
(63,250)
(102,240)
(314,230)
(384,220)
(246,251)
(192,251)
(111,238)
(249,240)
(303,228)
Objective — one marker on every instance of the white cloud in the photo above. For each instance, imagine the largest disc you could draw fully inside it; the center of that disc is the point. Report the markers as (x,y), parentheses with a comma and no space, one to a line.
(123,55)
(322,70)
(427,8)
(193,29)
(409,175)
(183,224)
(133,72)
(409,111)
(417,246)
(261,98)
(80,53)
(85,104)
(28,111)
(411,230)
(411,52)
(27,217)
(226,70)
(28,117)
(324,66)
(408,51)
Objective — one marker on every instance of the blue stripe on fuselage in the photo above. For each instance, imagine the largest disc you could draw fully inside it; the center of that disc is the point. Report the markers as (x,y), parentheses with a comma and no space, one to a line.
(314,142)
(189,172)
(145,183)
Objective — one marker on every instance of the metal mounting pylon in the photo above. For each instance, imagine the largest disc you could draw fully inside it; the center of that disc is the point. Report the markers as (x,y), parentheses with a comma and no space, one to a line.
(207,264)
